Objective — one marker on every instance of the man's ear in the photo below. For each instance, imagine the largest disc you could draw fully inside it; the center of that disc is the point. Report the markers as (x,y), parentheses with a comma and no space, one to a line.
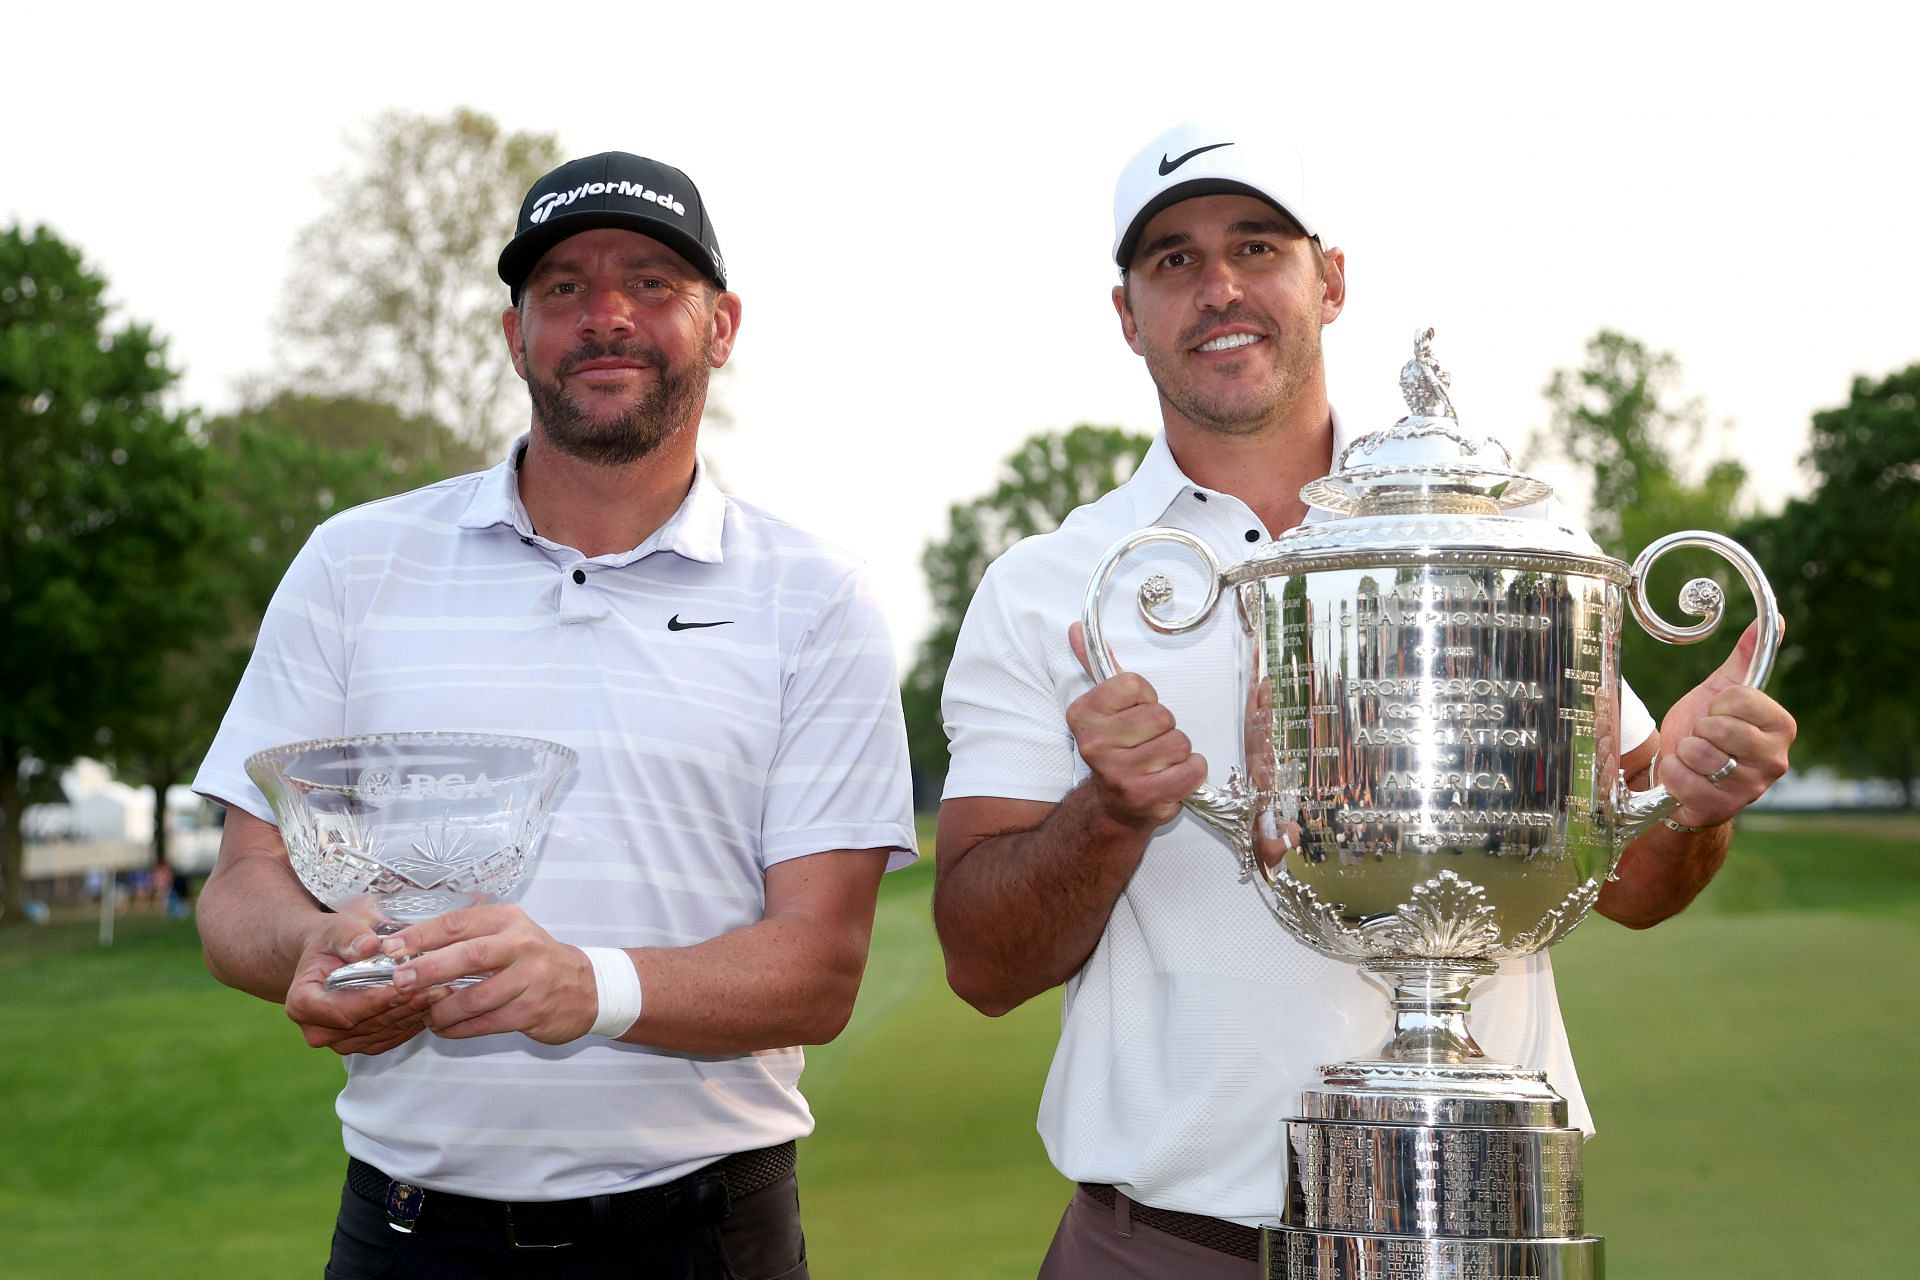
(726,326)
(1333,286)
(516,351)
(1129,329)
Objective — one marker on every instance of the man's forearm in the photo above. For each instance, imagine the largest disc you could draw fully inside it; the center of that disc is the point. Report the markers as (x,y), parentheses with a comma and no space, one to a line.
(254,921)
(778,982)
(1019,913)
(1661,872)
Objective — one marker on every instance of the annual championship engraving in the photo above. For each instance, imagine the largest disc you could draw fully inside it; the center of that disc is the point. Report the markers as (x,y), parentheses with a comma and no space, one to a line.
(1431,785)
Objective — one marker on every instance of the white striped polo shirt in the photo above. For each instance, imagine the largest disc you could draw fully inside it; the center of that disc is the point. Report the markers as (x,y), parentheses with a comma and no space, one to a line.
(707,754)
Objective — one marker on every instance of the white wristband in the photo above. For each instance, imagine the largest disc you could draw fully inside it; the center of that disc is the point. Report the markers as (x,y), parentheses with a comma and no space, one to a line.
(617,985)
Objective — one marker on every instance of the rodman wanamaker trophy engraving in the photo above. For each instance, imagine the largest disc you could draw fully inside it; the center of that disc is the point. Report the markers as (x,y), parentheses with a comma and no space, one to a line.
(396,828)
(1432,785)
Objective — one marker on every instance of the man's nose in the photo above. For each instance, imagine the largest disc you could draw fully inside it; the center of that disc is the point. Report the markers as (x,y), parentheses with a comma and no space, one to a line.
(1220,284)
(608,313)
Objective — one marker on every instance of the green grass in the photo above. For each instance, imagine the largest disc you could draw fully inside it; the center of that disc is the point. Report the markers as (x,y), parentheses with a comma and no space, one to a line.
(1755,1108)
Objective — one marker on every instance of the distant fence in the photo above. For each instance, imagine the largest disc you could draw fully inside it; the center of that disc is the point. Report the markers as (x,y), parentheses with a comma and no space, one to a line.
(59,871)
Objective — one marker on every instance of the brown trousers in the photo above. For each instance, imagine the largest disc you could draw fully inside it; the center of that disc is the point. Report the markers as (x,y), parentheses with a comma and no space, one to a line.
(1098,1243)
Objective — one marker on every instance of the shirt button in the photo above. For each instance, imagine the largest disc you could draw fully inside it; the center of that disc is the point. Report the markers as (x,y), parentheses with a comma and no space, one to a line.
(580,577)
(1253,535)
(1199,495)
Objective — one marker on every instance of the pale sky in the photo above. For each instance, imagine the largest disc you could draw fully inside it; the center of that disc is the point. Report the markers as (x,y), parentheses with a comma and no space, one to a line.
(916,207)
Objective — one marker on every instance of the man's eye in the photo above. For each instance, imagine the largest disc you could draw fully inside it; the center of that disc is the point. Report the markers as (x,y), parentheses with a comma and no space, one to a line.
(1258,246)
(1178,258)
(566,287)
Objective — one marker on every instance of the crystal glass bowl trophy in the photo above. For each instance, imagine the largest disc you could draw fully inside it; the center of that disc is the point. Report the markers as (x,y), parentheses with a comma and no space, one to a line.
(1432,785)
(395,828)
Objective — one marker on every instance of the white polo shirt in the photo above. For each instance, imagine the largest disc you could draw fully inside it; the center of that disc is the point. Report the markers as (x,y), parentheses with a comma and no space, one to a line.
(707,754)
(1197,1021)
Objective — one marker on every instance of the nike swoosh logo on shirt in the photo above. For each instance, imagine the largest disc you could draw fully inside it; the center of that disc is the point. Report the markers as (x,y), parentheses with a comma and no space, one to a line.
(1168,166)
(674,624)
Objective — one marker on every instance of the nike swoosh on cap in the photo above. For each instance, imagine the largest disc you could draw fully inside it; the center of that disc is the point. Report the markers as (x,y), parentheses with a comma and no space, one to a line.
(674,624)
(1168,166)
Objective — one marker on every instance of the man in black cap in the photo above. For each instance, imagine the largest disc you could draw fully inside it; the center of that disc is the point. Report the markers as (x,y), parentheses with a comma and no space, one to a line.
(619,1095)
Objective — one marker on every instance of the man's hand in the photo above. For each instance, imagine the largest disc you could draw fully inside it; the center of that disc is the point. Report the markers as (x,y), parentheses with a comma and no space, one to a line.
(1723,720)
(370,1021)
(1143,766)
(535,984)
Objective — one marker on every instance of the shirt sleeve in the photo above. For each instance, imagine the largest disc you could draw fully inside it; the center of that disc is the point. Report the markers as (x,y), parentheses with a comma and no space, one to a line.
(839,777)
(1006,729)
(294,687)
(1636,722)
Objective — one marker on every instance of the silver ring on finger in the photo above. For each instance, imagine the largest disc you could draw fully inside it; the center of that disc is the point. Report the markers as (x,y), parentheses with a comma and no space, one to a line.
(1724,772)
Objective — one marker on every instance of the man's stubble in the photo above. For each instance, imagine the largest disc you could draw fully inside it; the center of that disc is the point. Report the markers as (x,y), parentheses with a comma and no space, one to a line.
(664,410)
(1297,358)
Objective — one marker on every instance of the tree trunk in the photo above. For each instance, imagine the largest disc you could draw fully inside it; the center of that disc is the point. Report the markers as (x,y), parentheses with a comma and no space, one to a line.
(13,850)
(163,778)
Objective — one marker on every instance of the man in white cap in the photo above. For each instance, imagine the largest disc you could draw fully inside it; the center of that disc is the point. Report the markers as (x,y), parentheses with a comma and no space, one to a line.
(620,1095)
(1192,1021)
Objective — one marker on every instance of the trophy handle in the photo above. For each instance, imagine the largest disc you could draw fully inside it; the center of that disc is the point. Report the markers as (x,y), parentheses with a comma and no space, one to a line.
(1701,597)
(1228,809)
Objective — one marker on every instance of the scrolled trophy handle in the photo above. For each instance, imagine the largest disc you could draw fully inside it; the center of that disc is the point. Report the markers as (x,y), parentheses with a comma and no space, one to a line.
(1701,597)
(1228,809)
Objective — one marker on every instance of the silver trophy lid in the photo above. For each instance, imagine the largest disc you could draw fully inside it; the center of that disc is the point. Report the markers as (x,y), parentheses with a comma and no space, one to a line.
(1425,462)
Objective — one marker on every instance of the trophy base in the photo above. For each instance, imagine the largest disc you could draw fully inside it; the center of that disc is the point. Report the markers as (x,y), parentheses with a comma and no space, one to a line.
(1432,1171)
(1298,1253)
(377,971)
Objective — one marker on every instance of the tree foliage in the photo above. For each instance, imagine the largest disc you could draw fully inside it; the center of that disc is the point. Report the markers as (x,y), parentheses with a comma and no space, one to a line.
(104,522)
(1618,416)
(1045,478)
(278,470)
(1842,560)
(394,296)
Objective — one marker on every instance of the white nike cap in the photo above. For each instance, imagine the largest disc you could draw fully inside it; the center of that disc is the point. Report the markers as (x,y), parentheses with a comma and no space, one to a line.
(1203,159)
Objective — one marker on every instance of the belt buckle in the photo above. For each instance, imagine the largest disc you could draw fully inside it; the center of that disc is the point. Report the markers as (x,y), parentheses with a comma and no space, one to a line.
(513,1236)
(404,1201)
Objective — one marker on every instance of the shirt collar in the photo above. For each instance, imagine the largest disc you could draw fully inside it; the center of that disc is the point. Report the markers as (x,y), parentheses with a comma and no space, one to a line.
(496,499)
(694,531)
(1158,481)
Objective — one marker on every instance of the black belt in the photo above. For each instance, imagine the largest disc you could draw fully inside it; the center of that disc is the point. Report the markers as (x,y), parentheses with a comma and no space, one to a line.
(1213,1233)
(700,1198)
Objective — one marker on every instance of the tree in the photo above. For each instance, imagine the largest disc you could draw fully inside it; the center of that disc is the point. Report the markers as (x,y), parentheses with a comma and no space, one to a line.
(410,448)
(104,525)
(1842,560)
(394,296)
(1616,416)
(279,469)
(1045,478)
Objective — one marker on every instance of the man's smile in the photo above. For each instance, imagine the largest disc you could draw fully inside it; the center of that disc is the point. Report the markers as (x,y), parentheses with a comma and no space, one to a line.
(1229,341)
(606,369)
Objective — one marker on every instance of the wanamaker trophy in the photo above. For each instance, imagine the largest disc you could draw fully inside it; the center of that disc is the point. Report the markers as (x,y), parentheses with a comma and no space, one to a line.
(396,828)
(1432,785)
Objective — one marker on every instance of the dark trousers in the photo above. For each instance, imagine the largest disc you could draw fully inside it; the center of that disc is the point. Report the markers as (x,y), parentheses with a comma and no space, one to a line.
(1101,1242)
(758,1239)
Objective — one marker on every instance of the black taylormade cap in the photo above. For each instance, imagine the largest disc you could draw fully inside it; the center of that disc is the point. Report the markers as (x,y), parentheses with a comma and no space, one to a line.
(612,189)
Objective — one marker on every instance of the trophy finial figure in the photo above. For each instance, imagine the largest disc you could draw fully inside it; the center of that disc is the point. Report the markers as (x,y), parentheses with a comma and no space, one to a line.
(1424,383)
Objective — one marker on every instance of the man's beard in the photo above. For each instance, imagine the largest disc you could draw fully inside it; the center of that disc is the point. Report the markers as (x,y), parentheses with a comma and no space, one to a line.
(663,410)
(1299,349)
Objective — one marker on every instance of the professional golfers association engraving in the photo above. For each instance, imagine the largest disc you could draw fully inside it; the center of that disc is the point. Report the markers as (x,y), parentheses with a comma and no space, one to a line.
(399,827)
(1432,785)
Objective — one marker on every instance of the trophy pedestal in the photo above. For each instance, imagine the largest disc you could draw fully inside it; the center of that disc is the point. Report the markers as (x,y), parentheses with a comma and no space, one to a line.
(1407,1171)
